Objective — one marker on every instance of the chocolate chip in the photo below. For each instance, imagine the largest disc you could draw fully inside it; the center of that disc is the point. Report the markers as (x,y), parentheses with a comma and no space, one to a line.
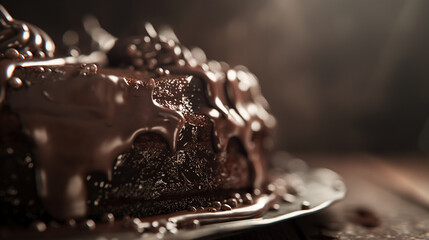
(27,54)
(11,53)
(38,226)
(271,188)
(137,225)
(39,54)
(232,202)
(211,209)
(162,230)
(15,82)
(39,69)
(89,224)
(275,206)
(108,218)
(247,198)
(170,225)
(225,207)
(192,209)
(195,223)
(305,205)
(131,50)
(216,204)
(155,224)
(159,72)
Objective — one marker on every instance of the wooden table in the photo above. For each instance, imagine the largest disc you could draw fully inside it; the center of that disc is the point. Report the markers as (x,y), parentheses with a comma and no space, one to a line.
(388,198)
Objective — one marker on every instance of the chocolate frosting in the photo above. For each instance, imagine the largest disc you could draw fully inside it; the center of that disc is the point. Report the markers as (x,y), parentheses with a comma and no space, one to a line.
(238,107)
(101,114)
(82,118)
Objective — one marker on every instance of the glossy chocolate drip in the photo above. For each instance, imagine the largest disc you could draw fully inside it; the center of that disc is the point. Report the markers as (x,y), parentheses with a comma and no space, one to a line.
(238,108)
(246,98)
(227,121)
(99,117)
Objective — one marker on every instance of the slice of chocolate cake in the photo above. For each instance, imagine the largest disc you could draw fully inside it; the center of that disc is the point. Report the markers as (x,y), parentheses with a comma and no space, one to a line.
(156,130)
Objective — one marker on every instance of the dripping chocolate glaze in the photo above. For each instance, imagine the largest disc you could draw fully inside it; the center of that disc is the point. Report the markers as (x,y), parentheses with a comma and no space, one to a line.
(238,108)
(81,119)
(80,124)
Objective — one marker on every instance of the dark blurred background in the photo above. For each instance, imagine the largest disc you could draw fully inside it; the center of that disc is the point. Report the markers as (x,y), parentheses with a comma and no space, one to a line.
(340,75)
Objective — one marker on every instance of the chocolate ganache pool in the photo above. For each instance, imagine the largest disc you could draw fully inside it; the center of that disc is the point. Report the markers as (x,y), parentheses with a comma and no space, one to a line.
(147,127)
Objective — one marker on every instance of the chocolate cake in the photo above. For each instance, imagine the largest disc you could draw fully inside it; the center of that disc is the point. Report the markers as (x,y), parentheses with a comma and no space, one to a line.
(144,128)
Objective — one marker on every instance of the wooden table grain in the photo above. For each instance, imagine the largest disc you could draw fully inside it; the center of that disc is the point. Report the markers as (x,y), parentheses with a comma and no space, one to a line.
(388,198)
